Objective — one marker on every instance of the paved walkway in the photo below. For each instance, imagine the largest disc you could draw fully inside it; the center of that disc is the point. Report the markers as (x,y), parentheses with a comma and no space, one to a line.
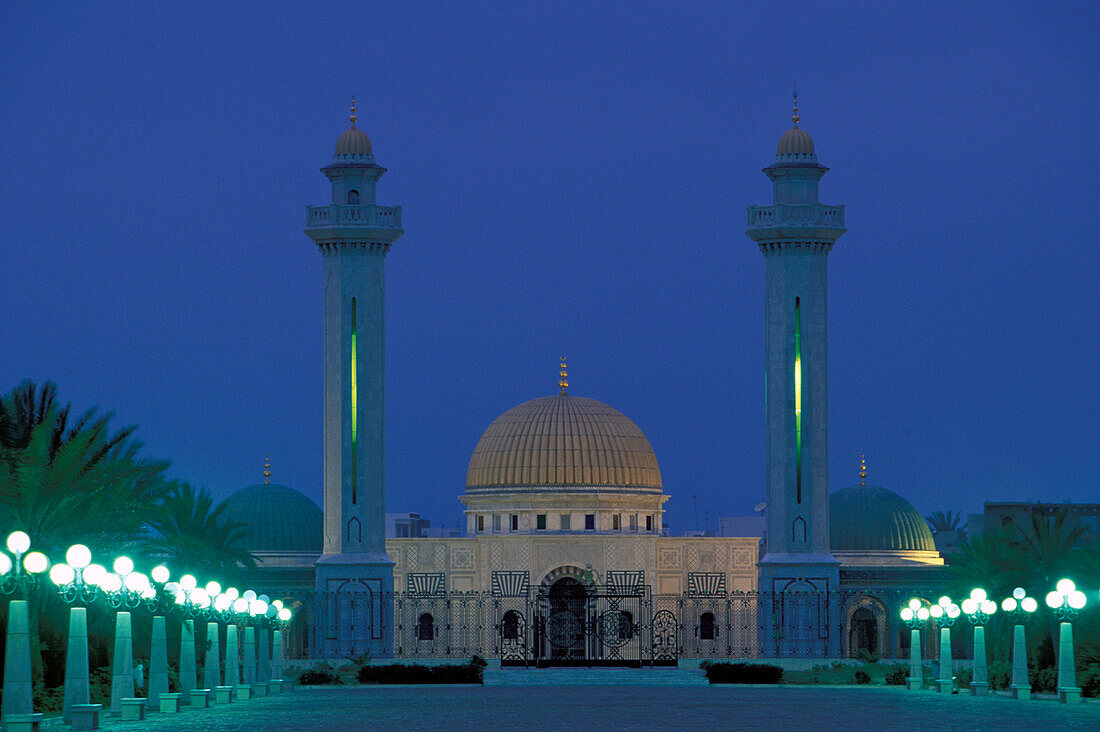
(543,708)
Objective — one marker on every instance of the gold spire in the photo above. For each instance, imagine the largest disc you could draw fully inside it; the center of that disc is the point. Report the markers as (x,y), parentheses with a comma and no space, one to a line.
(862,470)
(267,469)
(354,118)
(795,115)
(563,382)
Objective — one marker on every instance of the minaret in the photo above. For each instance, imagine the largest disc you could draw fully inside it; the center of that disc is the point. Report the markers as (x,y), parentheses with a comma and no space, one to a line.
(796,234)
(354,235)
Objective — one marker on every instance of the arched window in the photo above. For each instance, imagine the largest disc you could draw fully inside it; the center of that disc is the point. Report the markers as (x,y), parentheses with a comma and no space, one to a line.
(1007,522)
(353,198)
(706,626)
(510,625)
(425,627)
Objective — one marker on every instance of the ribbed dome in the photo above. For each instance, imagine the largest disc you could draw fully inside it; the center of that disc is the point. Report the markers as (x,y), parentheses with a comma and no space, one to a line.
(795,141)
(280,518)
(353,141)
(869,518)
(563,442)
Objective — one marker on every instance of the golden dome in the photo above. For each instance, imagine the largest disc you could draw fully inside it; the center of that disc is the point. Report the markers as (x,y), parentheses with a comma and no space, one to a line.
(563,442)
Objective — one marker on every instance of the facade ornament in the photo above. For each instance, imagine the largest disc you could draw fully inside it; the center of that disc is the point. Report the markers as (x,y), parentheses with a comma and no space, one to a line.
(794,117)
(862,470)
(355,118)
(563,380)
(267,470)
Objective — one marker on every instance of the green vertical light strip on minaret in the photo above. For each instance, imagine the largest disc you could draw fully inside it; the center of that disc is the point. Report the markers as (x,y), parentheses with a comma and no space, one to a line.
(798,397)
(354,401)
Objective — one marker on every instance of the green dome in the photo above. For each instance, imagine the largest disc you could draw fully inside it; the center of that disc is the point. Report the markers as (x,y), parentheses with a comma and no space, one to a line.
(280,518)
(869,518)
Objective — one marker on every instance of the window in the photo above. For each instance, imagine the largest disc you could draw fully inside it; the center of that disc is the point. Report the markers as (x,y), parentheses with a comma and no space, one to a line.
(540,522)
(649,523)
(515,522)
(566,522)
(402,531)
(633,522)
(425,627)
(496,523)
(481,523)
(706,626)
(510,625)
(615,521)
(353,198)
(626,625)
(590,522)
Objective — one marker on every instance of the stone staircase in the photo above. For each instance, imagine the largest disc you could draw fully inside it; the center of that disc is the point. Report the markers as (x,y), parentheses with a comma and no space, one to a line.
(584,676)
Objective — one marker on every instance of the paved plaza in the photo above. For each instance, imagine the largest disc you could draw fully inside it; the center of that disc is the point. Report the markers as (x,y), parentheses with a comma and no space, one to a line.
(540,708)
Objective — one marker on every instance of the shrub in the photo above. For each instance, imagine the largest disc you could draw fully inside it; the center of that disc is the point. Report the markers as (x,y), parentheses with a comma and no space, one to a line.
(468,673)
(897,677)
(743,673)
(869,657)
(317,677)
(1089,680)
(962,678)
(1044,680)
(1000,674)
(862,677)
(478,661)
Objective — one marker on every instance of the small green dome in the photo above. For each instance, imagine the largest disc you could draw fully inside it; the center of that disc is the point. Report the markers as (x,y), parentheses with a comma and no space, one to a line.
(280,518)
(869,518)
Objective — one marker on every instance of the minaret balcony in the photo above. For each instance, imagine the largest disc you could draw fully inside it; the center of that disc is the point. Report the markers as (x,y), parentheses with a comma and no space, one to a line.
(796,214)
(366,215)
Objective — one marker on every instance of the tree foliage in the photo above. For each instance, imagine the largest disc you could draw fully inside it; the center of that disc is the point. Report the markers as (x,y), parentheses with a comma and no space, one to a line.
(191,533)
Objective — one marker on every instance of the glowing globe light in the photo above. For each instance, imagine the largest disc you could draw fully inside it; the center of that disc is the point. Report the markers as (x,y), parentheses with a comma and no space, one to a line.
(1029,604)
(989,607)
(970,606)
(149,592)
(36,562)
(94,574)
(907,614)
(272,611)
(1019,593)
(953,611)
(18,542)
(136,582)
(62,574)
(232,594)
(222,603)
(160,574)
(922,614)
(248,595)
(1008,604)
(172,588)
(188,582)
(78,556)
(1077,600)
(123,566)
(258,607)
(278,604)
(936,611)
(944,602)
(284,614)
(181,597)
(111,583)
(5,563)
(240,605)
(914,604)
(265,598)
(1065,587)
(213,588)
(201,598)
(978,595)
(1054,599)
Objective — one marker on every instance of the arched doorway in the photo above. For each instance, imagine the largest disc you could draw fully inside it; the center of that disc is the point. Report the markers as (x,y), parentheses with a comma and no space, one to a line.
(863,633)
(566,620)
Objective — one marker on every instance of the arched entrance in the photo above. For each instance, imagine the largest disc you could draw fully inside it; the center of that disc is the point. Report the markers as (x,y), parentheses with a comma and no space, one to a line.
(566,620)
(863,634)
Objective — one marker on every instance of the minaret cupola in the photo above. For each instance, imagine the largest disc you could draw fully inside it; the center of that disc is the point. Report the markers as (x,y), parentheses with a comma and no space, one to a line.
(353,171)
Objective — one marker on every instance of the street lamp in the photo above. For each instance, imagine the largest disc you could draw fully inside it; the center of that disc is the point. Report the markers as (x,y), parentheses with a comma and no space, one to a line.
(19,572)
(77,581)
(945,613)
(978,608)
(1019,606)
(915,614)
(1066,601)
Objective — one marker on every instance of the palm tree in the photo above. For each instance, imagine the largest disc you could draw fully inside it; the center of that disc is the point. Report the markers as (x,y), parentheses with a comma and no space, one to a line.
(191,534)
(949,521)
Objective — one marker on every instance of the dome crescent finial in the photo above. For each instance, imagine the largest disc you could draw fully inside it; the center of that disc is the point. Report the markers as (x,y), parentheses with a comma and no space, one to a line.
(862,470)
(563,380)
(354,117)
(267,469)
(795,115)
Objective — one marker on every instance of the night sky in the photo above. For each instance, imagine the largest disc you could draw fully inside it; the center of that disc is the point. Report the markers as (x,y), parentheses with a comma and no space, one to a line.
(574,178)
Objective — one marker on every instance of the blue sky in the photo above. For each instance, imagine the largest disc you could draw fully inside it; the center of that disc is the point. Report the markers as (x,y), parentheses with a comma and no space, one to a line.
(574,178)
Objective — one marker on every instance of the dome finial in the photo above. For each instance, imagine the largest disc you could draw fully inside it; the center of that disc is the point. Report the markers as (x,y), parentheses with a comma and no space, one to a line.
(267,470)
(354,117)
(795,115)
(862,470)
(563,381)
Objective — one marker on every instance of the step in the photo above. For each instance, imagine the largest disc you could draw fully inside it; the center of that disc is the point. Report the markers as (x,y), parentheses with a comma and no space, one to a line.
(595,677)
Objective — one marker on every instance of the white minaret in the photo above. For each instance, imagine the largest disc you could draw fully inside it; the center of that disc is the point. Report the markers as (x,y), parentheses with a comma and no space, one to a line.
(354,234)
(795,235)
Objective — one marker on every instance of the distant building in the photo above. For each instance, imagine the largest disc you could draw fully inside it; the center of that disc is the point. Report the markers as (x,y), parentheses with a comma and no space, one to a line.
(1007,514)
(406,526)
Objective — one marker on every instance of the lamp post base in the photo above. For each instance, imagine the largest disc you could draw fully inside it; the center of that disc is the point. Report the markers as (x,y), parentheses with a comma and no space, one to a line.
(979,688)
(1069,694)
(914,684)
(23,722)
(945,685)
(1020,692)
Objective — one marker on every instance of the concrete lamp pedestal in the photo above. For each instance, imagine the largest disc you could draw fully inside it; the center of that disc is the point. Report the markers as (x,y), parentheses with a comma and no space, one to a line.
(189,679)
(18,706)
(212,665)
(77,688)
(169,703)
(1020,687)
(86,716)
(224,694)
(158,662)
(916,670)
(979,681)
(122,669)
(1068,690)
(946,682)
